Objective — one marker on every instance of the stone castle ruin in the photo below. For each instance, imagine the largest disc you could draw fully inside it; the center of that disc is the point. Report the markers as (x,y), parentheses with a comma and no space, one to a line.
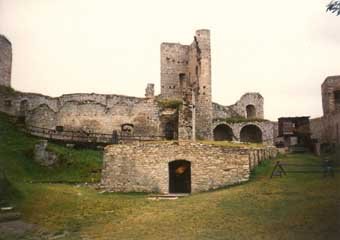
(184,109)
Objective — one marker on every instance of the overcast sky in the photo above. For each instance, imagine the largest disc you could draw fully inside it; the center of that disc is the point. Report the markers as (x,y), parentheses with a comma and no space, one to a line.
(283,49)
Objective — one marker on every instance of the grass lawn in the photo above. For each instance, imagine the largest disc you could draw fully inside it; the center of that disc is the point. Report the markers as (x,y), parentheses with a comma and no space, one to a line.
(297,206)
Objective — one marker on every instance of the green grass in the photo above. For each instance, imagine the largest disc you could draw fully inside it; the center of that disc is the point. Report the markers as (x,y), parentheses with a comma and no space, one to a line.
(297,206)
(16,151)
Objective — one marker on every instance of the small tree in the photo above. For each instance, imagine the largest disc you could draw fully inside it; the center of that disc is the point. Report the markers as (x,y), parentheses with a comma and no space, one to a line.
(334,7)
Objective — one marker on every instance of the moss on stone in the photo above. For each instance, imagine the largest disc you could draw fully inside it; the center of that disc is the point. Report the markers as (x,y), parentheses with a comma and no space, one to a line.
(170,103)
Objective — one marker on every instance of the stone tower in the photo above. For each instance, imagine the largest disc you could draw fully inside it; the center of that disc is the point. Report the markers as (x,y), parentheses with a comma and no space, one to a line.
(331,95)
(5,61)
(186,75)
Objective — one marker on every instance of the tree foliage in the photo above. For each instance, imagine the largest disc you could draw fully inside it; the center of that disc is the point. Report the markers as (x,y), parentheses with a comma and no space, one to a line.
(334,7)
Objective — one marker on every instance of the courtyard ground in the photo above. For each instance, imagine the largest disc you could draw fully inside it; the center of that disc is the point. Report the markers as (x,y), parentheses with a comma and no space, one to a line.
(56,204)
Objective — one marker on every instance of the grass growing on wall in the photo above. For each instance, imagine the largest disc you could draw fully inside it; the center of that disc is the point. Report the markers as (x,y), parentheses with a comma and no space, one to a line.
(240,120)
(170,103)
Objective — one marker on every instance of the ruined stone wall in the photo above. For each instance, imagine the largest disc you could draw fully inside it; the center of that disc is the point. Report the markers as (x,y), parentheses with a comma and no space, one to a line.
(174,61)
(91,115)
(203,101)
(267,129)
(326,129)
(186,75)
(145,168)
(12,102)
(328,90)
(86,112)
(5,61)
(254,99)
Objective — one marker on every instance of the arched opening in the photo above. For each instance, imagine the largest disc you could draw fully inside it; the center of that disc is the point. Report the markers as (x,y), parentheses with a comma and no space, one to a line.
(169,131)
(251,133)
(179,176)
(223,132)
(251,111)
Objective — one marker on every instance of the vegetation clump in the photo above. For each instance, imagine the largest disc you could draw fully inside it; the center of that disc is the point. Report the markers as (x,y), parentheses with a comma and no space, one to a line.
(240,119)
(7,91)
(170,103)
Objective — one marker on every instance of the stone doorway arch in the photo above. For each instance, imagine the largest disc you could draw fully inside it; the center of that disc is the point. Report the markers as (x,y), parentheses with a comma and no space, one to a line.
(251,133)
(180,176)
(223,132)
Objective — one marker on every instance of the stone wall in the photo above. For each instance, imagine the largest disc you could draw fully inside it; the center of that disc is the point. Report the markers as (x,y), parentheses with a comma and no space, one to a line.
(326,129)
(330,90)
(145,168)
(267,129)
(186,75)
(5,61)
(86,112)
(249,99)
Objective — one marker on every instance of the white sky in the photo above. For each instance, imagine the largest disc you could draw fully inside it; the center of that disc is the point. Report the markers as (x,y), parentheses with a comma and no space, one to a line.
(283,49)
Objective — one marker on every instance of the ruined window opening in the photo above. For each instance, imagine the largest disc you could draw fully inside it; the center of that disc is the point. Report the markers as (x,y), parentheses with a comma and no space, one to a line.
(251,111)
(182,81)
(196,71)
(251,133)
(223,132)
(179,176)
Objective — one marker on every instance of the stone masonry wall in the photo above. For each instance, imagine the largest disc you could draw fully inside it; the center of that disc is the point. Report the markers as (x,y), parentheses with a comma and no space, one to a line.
(328,88)
(254,99)
(186,75)
(267,128)
(144,168)
(86,112)
(5,61)
(326,129)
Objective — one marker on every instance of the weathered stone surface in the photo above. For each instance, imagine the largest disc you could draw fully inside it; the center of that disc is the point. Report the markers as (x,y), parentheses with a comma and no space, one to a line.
(5,61)
(145,167)
(42,156)
(326,129)
(185,75)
